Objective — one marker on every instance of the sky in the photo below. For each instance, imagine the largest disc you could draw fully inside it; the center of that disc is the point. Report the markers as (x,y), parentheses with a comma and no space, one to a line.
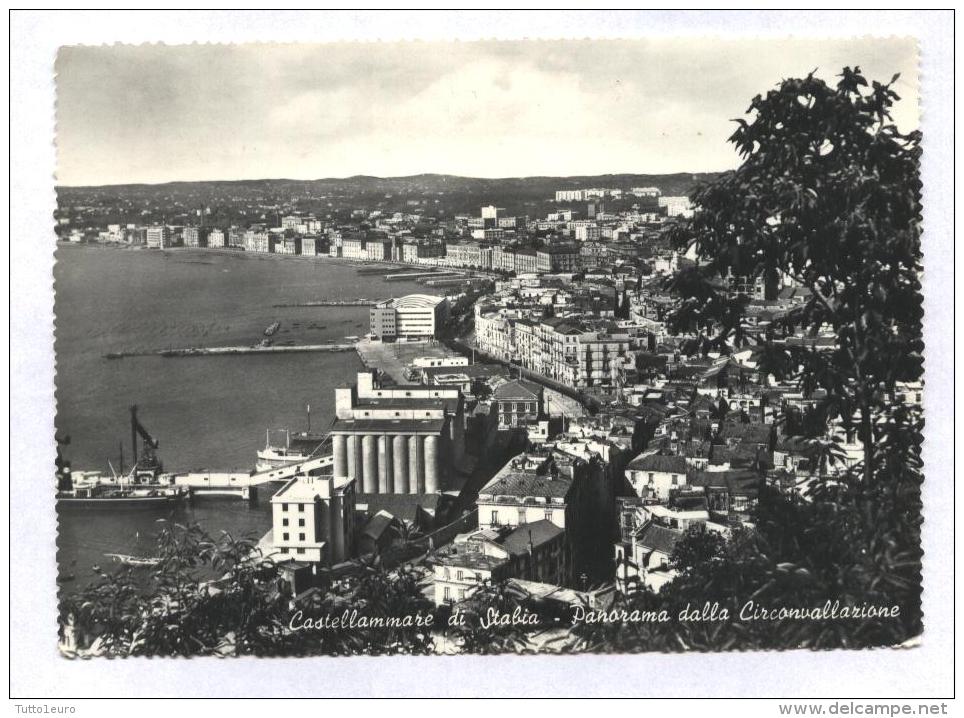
(160,113)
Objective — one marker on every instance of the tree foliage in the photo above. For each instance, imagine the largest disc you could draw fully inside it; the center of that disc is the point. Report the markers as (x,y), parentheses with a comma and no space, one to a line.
(827,196)
(207,596)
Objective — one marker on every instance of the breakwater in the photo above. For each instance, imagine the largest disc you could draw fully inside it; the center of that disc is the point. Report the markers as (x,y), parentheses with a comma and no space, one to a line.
(360,302)
(222,351)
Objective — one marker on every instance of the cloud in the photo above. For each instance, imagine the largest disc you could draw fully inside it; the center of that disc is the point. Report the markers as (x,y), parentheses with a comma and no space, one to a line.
(155,113)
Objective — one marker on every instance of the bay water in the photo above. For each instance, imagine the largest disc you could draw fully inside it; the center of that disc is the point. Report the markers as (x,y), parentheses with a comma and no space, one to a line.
(208,412)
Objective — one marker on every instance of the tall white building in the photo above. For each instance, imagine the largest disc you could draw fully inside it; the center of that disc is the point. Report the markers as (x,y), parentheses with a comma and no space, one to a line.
(677,206)
(570,195)
(158,237)
(415,316)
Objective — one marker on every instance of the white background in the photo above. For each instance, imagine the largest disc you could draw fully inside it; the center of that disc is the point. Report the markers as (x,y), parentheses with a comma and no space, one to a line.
(37,671)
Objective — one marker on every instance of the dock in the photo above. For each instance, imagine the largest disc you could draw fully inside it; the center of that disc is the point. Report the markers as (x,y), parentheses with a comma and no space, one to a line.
(201,484)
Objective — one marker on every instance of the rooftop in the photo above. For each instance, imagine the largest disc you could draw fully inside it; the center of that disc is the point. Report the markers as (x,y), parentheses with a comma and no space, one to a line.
(519,390)
(412,301)
(659,538)
(516,479)
(389,426)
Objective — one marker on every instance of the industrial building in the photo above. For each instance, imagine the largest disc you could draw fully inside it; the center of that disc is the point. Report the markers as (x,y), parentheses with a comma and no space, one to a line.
(397,440)
(312,519)
(416,316)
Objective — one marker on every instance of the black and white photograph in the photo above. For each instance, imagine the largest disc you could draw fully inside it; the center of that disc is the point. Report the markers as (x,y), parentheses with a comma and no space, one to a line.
(490,347)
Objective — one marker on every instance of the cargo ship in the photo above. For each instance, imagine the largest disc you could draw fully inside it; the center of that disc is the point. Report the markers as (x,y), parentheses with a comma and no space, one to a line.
(113,495)
(144,486)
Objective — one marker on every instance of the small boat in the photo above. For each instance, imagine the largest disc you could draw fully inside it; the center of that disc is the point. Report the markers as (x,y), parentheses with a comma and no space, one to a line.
(133,560)
(296,448)
(270,331)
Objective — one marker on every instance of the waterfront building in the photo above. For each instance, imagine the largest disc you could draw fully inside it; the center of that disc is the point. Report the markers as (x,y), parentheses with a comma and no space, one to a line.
(415,252)
(158,237)
(257,241)
(308,245)
(470,254)
(195,237)
(526,262)
(378,251)
(503,258)
(312,519)
(236,237)
(286,245)
(415,316)
(397,440)
(449,361)
(216,238)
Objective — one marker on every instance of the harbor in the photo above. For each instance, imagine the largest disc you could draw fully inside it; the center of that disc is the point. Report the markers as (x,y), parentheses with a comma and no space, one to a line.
(205,436)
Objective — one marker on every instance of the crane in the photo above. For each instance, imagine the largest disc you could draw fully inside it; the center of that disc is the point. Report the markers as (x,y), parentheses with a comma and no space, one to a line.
(150,443)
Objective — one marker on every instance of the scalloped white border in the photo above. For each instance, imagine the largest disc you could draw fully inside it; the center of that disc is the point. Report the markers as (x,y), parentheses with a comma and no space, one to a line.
(37,670)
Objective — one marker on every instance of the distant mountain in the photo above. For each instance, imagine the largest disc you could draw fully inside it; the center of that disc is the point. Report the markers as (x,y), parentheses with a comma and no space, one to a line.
(265,200)
(678,183)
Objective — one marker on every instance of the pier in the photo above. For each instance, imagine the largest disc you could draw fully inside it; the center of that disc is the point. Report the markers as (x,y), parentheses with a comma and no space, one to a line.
(360,302)
(401,277)
(244,486)
(221,351)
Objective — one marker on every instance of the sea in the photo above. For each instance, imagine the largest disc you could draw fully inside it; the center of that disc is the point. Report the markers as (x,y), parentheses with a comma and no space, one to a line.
(207,412)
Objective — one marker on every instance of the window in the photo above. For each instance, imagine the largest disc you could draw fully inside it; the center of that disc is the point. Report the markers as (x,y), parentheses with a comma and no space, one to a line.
(675,480)
(284,537)
(548,515)
(284,522)
(458,575)
(284,507)
(301,507)
(284,550)
(301,550)
(301,522)
(522,516)
(651,477)
(447,593)
(301,537)
(495,518)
